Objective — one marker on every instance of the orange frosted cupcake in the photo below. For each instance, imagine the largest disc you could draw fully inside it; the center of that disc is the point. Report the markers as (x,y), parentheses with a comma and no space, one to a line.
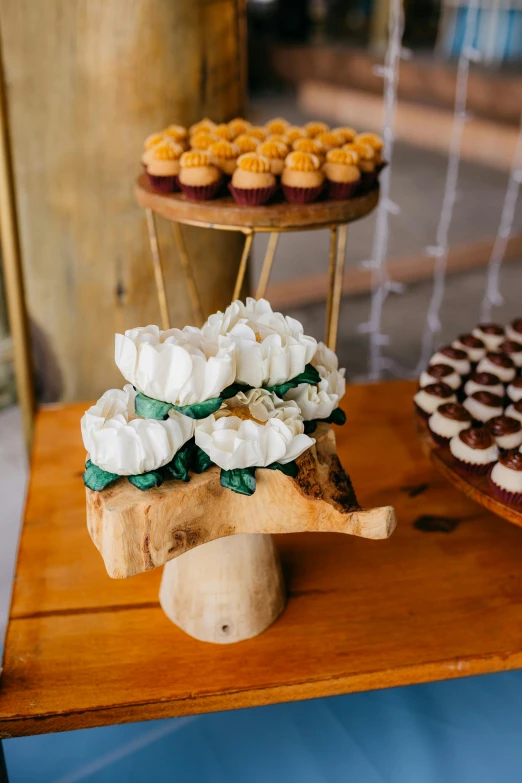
(294,132)
(224,155)
(276,152)
(346,133)
(376,143)
(198,177)
(203,125)
(342,173)
(302,179)
(153,139)
(258,132)
(366,164)
(238,126)
(277,126)
(312,146)
(313,129)
(222,131)
(162,165)
(253,182)
(177,133)
(330,140)
(246,143)
(202,140)
(278,137)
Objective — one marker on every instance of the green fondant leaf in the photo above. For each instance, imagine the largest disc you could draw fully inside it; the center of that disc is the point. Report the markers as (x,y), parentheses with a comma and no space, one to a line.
(310,426)
(151,409)
(200,410)
(97,479)
(147,480)
(309,375)
(241,480)
(178,467)
(289,468)
(337,416)
(234,389)
(200,461)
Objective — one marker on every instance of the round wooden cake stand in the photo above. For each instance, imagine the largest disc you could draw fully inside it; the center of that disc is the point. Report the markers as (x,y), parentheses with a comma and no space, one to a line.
(276,218)
(475,487)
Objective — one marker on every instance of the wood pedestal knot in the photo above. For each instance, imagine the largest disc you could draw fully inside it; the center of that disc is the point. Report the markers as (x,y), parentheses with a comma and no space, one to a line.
(225,591)
(232,579)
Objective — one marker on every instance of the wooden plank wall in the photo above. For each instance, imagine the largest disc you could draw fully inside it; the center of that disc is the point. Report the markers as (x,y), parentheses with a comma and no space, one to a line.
(87,80)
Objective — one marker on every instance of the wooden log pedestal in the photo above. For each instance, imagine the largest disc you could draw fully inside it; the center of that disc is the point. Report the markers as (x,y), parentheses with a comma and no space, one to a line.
(222,580)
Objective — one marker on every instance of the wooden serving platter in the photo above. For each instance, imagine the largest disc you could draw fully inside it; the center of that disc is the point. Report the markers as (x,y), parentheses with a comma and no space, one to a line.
(277,216)
(475,487)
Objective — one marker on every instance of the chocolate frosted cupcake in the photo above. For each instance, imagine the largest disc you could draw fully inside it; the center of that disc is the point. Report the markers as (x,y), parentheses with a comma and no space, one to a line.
(515,410)
(449,419)
(484,381)
(514,330)
(506,477)
(514,390)
(506,431)
(472,345)
(490,334)
(499,364)
(454,357)
(484,405)
(512,349)
(428,399)
(440,372)
(474,450)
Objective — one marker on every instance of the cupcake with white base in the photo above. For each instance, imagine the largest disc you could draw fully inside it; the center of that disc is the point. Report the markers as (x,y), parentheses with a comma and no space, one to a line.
(499,364)
(428,399)
(514,330)
(490,334)
(440,372)
(512,349)
(506,477)
(454,357)
(514,390)
(506,431)
(474,450)
(483,405)
(515,410)
(449,419)
(484,381)
(473,346)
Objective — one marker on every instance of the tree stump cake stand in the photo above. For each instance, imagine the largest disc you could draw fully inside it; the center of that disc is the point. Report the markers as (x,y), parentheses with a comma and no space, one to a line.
(222,579)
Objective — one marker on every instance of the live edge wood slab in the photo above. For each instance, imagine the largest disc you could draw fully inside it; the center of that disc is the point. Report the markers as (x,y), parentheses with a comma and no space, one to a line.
(441,598)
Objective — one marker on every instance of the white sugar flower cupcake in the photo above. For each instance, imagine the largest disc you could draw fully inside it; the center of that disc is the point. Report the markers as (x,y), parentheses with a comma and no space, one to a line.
(270,348)
(120,442)
(255,429)
(318,401)
(181,367)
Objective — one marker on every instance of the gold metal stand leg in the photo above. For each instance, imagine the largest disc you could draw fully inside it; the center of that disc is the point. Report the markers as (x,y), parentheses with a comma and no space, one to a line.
(267,265)
(158,269)
(189,276)
(337,255)
(243,265)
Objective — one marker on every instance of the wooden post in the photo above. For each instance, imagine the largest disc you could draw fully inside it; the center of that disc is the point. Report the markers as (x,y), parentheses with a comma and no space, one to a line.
(86,82)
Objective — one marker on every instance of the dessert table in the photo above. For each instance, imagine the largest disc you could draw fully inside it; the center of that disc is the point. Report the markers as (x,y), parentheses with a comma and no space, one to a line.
(440,599)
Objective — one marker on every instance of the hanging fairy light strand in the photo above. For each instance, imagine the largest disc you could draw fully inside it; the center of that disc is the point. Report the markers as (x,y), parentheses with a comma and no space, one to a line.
(381,283)
(439,251)
(492,296)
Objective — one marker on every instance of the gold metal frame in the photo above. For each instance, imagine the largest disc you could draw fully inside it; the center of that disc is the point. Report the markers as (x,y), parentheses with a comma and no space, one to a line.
(337,254)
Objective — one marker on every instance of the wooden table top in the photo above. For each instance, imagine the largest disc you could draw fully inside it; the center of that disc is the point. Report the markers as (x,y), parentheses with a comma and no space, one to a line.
(442,598)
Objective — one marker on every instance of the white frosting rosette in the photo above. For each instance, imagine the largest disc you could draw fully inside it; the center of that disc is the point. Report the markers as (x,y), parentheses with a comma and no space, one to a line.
(270,348)
(253,429)
(120,442)
(181,367)
(317,401)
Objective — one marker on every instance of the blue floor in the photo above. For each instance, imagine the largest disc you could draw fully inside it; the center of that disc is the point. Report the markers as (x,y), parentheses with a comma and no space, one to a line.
(461,731)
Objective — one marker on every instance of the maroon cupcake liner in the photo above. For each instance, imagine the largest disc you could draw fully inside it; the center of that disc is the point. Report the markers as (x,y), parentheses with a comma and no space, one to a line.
(302,195)
(252,197)
(163,184)
(473,470)
(514,498)
(380,166)
(340,191)
(368,181)
(439,440)
(201,192)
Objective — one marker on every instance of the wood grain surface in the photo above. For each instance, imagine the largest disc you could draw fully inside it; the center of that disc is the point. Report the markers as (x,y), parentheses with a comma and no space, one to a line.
(279,215)
(477,488)
(84,650)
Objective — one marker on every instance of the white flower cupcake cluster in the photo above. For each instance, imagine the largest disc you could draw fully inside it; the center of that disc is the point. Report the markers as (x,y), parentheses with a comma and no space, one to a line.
(242,392)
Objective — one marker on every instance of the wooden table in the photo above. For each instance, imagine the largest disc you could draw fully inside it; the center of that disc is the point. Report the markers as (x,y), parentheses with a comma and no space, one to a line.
(442,598)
